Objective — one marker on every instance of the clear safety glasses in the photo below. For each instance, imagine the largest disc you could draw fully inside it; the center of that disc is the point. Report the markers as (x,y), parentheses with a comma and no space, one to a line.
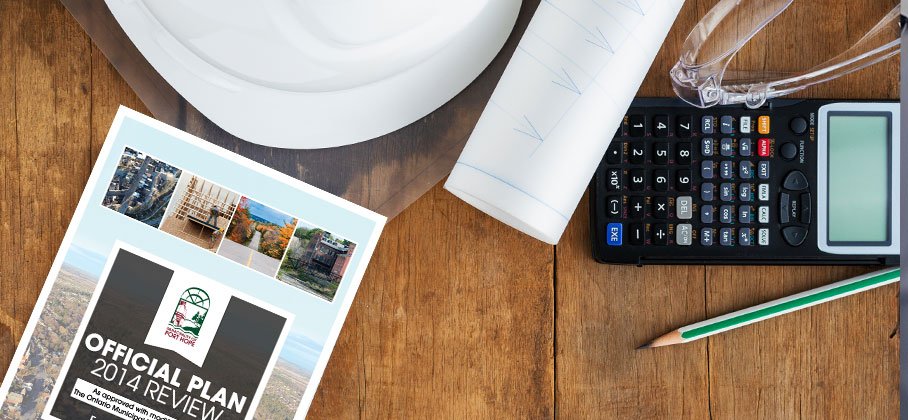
(702,78)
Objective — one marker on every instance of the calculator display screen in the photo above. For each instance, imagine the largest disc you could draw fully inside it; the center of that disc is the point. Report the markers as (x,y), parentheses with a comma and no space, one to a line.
(859,171)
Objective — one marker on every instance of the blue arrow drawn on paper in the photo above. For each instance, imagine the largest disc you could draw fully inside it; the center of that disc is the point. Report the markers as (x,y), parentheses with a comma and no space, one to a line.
(598,38)
(634,5)
(529,129)
(564,78)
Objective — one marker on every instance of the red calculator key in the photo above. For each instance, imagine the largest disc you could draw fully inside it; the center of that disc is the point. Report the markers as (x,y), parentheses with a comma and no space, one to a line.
(763,146)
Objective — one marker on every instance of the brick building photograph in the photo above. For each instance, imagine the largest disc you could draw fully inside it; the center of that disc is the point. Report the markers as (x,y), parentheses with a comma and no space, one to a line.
(316,261)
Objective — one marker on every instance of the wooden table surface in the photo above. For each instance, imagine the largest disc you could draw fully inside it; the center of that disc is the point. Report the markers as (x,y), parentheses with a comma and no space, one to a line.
(460,316)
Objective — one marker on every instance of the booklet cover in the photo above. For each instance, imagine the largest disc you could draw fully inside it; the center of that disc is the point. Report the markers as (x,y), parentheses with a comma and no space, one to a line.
(192,283)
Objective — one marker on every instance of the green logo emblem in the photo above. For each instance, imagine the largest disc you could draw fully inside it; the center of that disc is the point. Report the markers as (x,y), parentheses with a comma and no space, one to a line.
(190,312)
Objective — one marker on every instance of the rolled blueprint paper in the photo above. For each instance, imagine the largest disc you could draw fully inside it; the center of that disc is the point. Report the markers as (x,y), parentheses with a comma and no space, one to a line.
(556,108)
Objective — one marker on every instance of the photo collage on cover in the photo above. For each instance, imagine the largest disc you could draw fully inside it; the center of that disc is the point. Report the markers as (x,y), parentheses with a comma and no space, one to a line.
(233,225)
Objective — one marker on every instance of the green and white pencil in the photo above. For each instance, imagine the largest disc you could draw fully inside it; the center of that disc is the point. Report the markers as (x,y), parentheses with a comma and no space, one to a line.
(777,307)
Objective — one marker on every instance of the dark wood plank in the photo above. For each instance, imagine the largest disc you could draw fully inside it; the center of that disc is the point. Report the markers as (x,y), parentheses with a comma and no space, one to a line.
(453,319)
(11,256)
(603,314)
(46,86)
(836,360)
(108,92)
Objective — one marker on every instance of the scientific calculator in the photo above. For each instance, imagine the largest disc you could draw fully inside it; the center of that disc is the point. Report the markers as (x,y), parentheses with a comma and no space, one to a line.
(793,182)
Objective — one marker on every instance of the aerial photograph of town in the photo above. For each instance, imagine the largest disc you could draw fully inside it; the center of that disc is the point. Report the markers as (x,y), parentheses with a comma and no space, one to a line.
(141,187)
(258,236)
(316,261)
(40,365)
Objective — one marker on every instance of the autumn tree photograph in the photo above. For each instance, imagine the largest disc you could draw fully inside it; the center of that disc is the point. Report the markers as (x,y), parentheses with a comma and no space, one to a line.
(258,236)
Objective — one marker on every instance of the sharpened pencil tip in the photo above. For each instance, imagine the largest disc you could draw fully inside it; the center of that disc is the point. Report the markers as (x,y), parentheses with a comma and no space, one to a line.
(673,337)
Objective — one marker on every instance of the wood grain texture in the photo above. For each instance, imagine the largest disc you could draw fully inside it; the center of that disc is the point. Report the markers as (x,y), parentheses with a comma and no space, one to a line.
(461,317)
(45,139)
(836,360)
(603,314)
(454,317)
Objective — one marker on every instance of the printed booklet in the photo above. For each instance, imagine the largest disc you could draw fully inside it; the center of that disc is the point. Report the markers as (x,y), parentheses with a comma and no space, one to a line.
(192,283)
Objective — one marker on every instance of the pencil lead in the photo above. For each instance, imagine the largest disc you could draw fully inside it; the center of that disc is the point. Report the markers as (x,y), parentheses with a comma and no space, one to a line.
(645,346)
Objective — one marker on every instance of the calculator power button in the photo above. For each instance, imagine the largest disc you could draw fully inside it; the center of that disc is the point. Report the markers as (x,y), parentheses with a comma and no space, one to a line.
(684,234)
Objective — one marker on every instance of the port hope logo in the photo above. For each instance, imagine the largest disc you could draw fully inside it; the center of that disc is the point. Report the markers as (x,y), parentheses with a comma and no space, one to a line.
(188,316)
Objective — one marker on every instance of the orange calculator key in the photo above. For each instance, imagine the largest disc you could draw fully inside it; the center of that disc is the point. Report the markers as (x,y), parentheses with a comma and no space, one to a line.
(763,124)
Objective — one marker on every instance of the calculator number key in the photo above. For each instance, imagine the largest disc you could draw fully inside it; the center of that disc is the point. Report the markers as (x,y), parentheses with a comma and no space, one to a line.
(683,153)
(683,130)
(637,153)
(660,180)
(637,180)
(682,181)
(661,126)
(660,153)
(637,125)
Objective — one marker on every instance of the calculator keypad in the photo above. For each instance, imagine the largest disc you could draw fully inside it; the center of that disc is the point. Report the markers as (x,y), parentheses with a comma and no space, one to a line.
(684,180)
